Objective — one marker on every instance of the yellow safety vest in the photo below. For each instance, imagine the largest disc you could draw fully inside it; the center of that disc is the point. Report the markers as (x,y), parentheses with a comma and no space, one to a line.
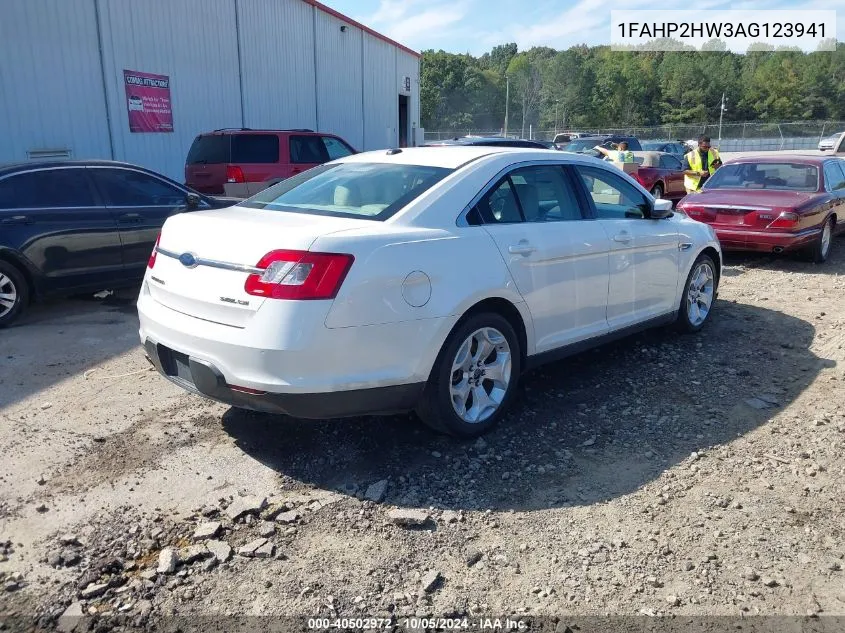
(694,160)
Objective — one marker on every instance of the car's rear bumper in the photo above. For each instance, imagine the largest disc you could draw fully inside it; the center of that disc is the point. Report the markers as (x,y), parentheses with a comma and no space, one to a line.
(205,379)
(765,241)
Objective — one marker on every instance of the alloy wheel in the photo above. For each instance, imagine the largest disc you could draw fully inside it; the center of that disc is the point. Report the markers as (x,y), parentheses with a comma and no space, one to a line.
(700,294)
(8,295)
(826,235)
(481,375)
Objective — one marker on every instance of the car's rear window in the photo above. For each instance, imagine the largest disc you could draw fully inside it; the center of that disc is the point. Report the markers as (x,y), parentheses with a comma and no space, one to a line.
(255,148)
(209,149)
(355,190)
(212,149)
(774,176)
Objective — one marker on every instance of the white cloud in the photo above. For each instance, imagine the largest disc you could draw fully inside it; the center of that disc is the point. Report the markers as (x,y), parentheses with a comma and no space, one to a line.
(417,22)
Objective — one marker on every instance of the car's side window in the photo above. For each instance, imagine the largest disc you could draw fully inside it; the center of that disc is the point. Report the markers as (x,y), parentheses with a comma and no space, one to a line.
(614,199)
(499,205)
(307,150)
(834,176)
(545,194)
(46,189)
(670,162)
(335,147)
(128,188)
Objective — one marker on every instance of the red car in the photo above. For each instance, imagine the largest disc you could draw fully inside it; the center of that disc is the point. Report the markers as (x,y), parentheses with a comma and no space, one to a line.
(241,162)
(661,173)
(774,203)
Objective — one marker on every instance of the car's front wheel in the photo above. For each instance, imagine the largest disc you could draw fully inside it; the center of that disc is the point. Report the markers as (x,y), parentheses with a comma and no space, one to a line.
(14,293)
(699,295)
(474,377)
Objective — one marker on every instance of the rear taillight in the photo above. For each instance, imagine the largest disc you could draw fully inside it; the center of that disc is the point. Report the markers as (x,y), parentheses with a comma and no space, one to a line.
(786,220)
(692,211)
(152,261)
(299,275)
(235,174)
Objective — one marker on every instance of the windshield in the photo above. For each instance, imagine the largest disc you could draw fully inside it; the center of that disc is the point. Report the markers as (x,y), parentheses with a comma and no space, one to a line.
(653,146)
(773,176)
(372,191)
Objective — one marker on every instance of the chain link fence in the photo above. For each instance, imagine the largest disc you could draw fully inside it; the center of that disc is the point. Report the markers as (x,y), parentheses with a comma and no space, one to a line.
(735,137)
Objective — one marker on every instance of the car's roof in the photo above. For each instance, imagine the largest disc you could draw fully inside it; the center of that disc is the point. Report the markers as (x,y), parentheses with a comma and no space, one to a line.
(449,157)
(782,158)
(246,130)
(46,164)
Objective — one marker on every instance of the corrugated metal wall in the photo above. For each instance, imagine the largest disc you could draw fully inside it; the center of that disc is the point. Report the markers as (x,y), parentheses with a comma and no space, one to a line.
(51,85)
(340,108)
(277,62)
(381,89)
(292,66)
(194,42)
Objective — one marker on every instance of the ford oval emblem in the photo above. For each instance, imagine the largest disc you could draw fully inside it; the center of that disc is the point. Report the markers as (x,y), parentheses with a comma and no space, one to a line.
(188,260)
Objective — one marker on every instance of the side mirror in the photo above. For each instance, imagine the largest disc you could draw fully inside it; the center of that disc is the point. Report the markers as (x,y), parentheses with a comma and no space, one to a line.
(662,209)
(192,201)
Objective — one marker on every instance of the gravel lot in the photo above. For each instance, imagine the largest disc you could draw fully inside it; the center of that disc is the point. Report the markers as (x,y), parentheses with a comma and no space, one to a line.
(665,474)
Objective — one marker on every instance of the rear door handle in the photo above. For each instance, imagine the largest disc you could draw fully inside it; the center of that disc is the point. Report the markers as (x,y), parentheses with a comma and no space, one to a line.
(523,248)
(624,237)
(17,219)
(130,218)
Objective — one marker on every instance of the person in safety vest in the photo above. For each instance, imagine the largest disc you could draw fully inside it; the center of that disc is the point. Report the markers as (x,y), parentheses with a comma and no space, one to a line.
(621,154)
(700,164)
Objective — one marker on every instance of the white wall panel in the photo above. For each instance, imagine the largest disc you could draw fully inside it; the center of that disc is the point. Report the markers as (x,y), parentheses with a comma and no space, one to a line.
(381,94)
(277,61)
(51,89)
(194,43)
(339,79)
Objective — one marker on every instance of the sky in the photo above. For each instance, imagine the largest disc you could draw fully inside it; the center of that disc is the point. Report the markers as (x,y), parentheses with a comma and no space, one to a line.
(475,26)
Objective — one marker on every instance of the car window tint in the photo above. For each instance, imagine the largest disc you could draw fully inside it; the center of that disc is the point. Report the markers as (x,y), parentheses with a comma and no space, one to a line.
(48,189)
(307,150)
(834,176)
(545,194)
(614,198)
(335,147)
(774,176)
(670,162)
(499,206)
(124,187)
(255,148)
(211,149)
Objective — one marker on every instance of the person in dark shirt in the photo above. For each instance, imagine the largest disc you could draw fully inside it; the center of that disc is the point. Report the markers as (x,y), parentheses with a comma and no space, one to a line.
(700,164)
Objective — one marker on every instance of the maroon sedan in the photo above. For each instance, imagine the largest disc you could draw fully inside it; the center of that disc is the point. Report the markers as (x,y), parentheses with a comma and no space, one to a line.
(661,173)
(774,203)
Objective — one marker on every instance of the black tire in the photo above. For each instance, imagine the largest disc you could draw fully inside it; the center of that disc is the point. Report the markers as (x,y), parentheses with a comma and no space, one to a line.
(818,252)
(12,282)
(657,191)
(435,407)
(685,321)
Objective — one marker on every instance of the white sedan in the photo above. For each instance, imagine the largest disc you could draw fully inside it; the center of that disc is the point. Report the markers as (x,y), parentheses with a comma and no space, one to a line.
(422,279)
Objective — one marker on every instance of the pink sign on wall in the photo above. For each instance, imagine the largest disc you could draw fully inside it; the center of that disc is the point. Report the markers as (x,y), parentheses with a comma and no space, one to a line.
(148,102)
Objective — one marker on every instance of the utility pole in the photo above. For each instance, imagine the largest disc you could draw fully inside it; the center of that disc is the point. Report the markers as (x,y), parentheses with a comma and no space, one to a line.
(721,112)
(556,102)
(507,99)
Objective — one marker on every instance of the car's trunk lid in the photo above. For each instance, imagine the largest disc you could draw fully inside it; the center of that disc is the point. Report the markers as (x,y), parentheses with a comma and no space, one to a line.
(752,209)
(204,258)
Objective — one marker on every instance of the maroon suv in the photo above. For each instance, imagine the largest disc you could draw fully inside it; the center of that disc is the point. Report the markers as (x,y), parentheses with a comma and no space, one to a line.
(240,162)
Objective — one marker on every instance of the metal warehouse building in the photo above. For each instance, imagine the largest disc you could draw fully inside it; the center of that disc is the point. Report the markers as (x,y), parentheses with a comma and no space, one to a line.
(207,64)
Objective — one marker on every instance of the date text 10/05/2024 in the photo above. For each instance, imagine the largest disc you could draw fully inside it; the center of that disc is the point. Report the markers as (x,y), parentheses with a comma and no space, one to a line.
(415,623)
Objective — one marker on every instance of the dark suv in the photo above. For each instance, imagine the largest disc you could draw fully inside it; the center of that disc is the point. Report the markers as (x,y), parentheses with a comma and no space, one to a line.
(241,162)
(586,144)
